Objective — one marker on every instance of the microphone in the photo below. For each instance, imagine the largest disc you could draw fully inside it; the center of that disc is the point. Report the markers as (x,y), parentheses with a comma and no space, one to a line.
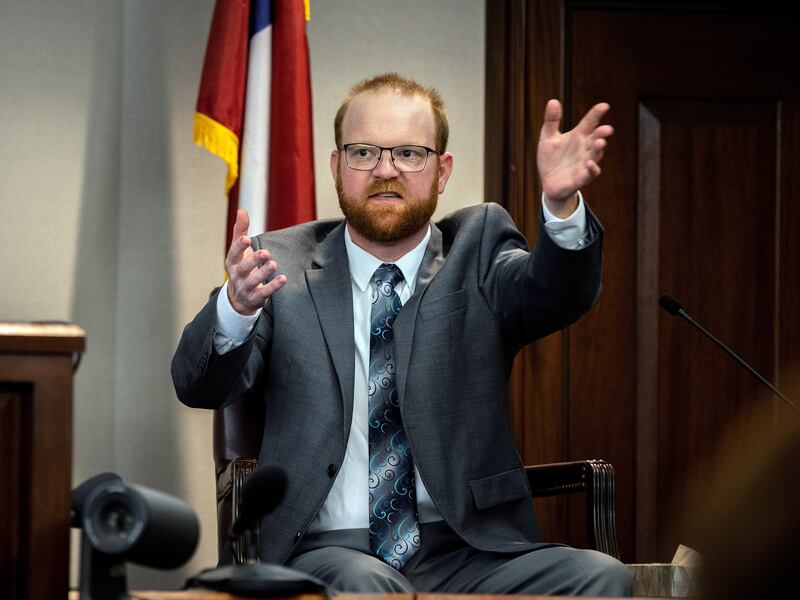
(261,494)
(673,307)
(263,491)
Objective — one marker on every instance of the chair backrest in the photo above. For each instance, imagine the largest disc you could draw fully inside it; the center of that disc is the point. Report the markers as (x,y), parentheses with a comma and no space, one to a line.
(238,429)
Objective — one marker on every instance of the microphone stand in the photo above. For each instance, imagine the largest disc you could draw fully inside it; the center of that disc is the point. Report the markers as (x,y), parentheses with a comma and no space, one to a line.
(247,543)
(672,306)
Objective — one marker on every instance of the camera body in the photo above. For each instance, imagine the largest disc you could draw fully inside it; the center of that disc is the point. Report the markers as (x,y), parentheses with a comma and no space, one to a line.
(129,523)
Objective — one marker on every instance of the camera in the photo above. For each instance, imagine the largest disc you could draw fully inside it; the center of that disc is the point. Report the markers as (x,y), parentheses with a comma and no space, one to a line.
(128,523)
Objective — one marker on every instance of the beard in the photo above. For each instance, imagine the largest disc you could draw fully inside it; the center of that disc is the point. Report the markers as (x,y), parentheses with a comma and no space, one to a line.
(387,222)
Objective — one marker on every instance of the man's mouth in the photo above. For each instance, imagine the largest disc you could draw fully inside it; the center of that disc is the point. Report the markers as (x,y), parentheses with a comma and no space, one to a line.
(386,196)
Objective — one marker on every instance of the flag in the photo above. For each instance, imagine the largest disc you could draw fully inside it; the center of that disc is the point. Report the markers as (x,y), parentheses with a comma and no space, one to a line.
(254,110)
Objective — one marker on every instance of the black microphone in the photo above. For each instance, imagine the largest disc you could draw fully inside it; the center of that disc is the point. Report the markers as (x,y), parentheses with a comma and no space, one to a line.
(673,307)
(261,494)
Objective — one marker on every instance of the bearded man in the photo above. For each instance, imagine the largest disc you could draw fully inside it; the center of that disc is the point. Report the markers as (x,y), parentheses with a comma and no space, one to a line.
(381,345)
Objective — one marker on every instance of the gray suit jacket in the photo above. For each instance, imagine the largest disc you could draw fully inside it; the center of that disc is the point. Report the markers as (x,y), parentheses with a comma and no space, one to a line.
(480,296)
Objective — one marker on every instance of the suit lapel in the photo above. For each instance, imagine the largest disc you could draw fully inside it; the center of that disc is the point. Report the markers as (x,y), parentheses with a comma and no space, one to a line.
(404,326)
(331,292)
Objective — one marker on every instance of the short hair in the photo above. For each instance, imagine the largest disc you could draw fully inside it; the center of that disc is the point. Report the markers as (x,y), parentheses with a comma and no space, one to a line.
(392,82)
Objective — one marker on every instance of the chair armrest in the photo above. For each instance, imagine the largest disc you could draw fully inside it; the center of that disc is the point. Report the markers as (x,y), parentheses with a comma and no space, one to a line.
(595,478)
(230,481)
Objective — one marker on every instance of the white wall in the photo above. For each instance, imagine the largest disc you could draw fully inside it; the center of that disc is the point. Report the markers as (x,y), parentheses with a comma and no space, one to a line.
(111,218)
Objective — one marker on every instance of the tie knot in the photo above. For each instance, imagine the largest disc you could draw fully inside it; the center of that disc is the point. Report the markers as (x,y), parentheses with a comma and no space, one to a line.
(386,277)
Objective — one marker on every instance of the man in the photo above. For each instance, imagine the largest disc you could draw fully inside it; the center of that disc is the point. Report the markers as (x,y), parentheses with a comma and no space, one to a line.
(381,346)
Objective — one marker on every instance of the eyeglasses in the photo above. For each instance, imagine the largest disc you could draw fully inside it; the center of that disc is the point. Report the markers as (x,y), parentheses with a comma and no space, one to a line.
(407,159)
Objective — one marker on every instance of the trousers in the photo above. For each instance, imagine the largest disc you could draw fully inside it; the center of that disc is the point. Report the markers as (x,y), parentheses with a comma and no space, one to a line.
(445,563)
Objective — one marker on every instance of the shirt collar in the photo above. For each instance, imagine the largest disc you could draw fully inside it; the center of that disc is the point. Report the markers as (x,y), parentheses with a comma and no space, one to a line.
(363,264)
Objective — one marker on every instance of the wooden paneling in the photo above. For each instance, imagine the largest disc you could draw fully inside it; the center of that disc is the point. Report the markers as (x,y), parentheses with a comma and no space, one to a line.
(717,240)
(698,197)
(788,253)
(694,209)
(527,36)
(11,504)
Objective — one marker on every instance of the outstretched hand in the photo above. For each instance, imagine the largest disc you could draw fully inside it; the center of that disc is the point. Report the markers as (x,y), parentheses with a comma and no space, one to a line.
(568,161)
(248,270)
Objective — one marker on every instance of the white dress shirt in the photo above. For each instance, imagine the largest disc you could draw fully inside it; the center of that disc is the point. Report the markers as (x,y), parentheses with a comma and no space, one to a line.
(347,504)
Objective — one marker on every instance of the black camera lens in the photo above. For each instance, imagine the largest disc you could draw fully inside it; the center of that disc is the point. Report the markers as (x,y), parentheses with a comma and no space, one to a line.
(116,520)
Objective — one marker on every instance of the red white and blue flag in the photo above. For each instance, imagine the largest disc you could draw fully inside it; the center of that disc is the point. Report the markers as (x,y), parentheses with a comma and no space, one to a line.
(254,110)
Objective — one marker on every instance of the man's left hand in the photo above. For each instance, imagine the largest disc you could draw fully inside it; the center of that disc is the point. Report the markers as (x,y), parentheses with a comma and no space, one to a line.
(568,161)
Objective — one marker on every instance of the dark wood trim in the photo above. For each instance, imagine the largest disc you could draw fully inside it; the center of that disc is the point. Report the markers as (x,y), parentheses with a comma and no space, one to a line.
(688,6)
(788,264)
(647,332)
(495,103)
(524,69)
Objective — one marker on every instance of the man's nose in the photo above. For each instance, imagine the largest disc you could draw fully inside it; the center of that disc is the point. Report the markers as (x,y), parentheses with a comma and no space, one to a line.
(385,168)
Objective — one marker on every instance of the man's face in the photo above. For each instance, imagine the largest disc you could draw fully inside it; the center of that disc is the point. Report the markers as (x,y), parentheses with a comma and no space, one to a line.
(385,204)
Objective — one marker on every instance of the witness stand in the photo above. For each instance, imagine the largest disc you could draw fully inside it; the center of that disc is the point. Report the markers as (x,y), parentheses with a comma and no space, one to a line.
(37,362)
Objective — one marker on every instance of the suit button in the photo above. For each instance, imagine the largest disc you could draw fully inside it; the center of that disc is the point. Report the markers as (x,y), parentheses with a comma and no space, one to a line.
(331,470)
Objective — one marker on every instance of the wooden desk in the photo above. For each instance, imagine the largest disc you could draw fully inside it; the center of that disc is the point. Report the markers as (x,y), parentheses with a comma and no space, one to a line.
(203,595)
(36,367)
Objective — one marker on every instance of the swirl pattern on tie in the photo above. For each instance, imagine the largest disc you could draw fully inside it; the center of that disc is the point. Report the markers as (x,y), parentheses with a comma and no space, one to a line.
(393,526)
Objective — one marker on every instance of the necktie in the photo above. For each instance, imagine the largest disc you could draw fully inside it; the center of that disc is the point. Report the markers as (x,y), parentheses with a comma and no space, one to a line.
(393,528)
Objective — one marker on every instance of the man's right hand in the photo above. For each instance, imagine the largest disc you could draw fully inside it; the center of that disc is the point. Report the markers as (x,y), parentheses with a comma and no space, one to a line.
(248,270)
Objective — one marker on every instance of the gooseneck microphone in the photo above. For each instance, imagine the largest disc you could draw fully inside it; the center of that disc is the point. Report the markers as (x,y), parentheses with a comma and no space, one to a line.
(673,307)
(261,494)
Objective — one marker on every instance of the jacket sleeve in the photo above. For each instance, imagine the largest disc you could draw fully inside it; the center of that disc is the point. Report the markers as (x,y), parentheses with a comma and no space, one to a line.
(205,379)
(536,293)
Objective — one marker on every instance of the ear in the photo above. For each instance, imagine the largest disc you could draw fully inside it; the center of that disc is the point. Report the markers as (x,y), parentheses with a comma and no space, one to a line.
(334,164)
(445,168)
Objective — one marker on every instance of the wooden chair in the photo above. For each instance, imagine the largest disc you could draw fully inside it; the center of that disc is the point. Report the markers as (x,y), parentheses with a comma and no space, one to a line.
(238,429)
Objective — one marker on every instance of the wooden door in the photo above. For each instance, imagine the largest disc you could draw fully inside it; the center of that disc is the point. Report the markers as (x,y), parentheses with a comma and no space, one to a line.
(699,197)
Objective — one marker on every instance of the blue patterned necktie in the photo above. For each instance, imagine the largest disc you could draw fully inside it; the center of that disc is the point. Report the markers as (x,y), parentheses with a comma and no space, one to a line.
(393,528)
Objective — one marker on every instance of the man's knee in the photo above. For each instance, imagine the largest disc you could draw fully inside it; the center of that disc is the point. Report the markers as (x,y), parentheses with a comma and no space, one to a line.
(350,571)
(566,571)
(605,575)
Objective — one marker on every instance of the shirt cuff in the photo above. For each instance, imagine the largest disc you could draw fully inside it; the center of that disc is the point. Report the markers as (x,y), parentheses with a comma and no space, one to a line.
(231,329)
(570,233)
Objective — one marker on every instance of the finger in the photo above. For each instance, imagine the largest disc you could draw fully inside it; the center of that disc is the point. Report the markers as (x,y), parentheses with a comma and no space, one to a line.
(603,131)
(552,118)
(242,223)
(592,118)
(237,250)
(259,275)
(264,291)
(593,168)
(597,157)
(251,261)
(246,289)
(240,241)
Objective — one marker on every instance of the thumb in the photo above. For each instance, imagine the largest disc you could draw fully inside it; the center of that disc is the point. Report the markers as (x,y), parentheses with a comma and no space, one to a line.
(552,118)
(242,223)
